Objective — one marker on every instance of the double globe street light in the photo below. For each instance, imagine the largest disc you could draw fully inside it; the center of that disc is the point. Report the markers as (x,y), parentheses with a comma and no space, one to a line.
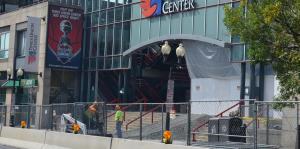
(180,53)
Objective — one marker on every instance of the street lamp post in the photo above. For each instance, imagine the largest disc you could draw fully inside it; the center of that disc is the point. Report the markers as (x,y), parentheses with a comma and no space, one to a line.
(180,52)
(14,76)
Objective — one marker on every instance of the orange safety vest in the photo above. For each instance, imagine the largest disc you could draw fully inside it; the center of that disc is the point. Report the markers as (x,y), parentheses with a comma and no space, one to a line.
(76,128)
(23,124)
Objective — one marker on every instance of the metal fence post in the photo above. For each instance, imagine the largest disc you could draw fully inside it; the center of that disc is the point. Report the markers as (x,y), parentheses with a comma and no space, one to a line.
(255,124)
(267,124)
(28,116)
(189,124)
(162,120)
(141,122)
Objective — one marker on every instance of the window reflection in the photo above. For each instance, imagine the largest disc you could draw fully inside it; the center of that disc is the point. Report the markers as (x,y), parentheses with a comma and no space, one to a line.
(117,41)
(101,41)
(109,40)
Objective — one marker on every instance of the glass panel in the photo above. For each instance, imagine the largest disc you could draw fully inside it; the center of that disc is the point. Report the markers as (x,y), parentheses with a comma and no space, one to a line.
(116,62)
(86,64)
(108,62)
(87,41)
(109,40)
(104,4)
(93,63)
(211,22)
(101,40)
(94,42)
(223,32)
(120,2)
(102,20)
(175,23)
(128,1)
(118,14)
(95,18)
(136,11)
(199,27)
(95,5)
(2,42)
(237,53)
(117,40)
(126,36)
(110,16)
(125,62)
(212,2)
(187,26)
(89,6)
(127,12)
(154,27)
(112,3)
(21,43)
(88,20)
(6,41)
(100,61)
(135,32)
(235,39)
(165,25)
(199,3)
(145,24)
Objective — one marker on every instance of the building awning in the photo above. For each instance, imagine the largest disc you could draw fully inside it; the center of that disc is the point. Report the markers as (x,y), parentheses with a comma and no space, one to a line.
(10,83)
(24,83)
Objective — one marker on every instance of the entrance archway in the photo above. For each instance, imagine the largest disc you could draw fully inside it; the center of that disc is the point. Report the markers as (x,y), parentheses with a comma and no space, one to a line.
(152,72)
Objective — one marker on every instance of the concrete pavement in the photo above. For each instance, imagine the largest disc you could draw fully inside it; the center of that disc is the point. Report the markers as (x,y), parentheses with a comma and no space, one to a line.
(7,147)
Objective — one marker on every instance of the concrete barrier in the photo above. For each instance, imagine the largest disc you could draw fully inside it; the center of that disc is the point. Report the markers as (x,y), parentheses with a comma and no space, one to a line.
(31,135)
(78,141)
(41,139)
(134,144)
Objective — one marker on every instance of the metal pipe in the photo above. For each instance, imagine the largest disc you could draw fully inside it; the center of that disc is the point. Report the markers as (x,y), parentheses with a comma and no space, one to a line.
(261,82)
(189,124)
(141,122)
(242,87)
(267,125)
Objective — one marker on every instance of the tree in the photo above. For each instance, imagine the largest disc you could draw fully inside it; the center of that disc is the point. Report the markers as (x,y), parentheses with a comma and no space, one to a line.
(271,30)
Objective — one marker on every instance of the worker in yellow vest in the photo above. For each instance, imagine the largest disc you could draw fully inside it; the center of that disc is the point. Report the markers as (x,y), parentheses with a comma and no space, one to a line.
(119,120)
(76,128)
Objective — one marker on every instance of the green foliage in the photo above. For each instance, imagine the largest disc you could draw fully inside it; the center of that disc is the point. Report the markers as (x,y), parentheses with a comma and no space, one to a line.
(271,30)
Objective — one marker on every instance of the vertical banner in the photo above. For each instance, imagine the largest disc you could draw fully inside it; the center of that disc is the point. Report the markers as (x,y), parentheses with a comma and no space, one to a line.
(32,44)
(64,37)
(170,95)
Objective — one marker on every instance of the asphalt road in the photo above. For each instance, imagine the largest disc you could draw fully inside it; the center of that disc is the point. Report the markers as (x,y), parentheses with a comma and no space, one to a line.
(7,147)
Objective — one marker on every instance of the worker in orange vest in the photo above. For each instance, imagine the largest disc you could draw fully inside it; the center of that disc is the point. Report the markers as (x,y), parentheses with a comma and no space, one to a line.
(167,137)
(23,124)
(76,128)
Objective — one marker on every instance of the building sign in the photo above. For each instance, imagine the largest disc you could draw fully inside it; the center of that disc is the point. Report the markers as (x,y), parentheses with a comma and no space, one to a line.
(156,7)
(170,95)
(28,83)
(64,39)
(32,44)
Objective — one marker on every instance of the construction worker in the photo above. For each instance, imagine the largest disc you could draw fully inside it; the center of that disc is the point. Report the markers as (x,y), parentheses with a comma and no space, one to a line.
(119,120)
(76,128)
(167,137)
(23,124)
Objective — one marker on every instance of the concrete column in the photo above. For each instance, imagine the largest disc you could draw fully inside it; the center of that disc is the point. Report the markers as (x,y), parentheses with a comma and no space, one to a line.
(8,105)
(43,90)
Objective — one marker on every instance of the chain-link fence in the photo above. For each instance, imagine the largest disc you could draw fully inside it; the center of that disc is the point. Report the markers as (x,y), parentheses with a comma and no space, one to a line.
(213,124)
(277,124)
(223,124)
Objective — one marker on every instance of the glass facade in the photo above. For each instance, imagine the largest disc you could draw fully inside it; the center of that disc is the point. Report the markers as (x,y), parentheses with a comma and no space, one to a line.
(113,26)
